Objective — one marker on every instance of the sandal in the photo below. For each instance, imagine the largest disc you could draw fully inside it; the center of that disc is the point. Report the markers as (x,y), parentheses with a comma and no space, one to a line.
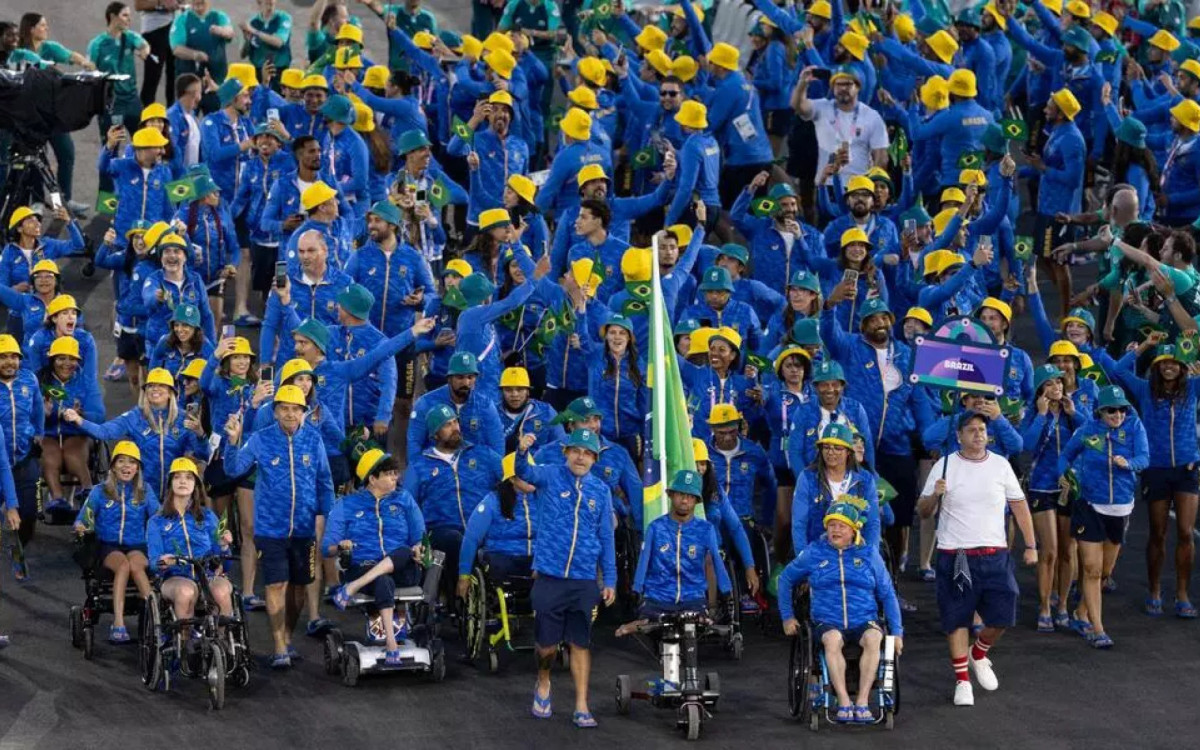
(863,715)
(115,372)
(541,706)
(392,658)
(1109,585)
(1185,610)
(1082,627)
(927,575)
(1045,624)
(341,599)
(281,661)
(1153,606)
(583,720)
(118,634)
(845,714)
(1101,641)
(252,603)
(1062,620)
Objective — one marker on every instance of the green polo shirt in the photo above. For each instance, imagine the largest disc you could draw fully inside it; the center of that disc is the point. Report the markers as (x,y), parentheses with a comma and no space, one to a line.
(191,31)
(116,56)
(320,41)
(280,25)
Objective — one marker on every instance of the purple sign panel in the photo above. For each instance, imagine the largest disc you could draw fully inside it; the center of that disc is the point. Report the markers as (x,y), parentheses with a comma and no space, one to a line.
(959,366)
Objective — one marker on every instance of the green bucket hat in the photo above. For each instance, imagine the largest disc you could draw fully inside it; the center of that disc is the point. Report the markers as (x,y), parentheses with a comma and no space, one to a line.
(187,314)
(781,190)
(1111,396)
(437,417)
(1132,131)
(805,280)
(874,306)
(338,109)
(463,363)
(411,140)
(716,279)
(836,433)
(827,370)
(228,91)
(686,327)
(806,332)
(387,211)
(583,438)
(687,482)
(357,300)
(203,185)
(1044,373)
(316,332)
(735,251)
(993,140)
(1078,38)
(476,288)
(584,407)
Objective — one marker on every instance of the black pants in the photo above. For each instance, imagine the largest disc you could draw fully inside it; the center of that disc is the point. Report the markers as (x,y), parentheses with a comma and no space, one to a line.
(734,179)
(160,47)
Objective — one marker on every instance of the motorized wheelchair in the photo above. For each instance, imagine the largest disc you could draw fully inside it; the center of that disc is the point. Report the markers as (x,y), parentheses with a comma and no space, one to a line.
(98,595)
(99,460)
(219,656)
(680,687)
(422,651)
(810,690)
(497,610)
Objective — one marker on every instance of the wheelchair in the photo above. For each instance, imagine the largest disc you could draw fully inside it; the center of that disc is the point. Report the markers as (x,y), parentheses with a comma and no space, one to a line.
(628,546)
(219,658)
(680,686)
(729,637)
(98,592)
(761,547)
(810,690)
(495,612)
(422,651)
(99,460)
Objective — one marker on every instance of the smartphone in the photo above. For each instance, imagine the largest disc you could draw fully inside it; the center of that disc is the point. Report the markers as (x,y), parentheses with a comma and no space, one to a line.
(910,226)
(118,121)
(421,196)
(55,201)
(193,410)
(822,74)
(228,332)
(266,373)
(272,114)
(850,276)
(281,274)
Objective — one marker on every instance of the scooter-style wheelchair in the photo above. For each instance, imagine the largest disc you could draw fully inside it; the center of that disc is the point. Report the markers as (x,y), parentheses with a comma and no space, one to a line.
(810,691)
(421,651)
(98,595)
(680,687)
(208,645)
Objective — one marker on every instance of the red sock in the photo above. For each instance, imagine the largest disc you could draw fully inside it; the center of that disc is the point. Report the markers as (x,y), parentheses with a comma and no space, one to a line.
(960,669)
(980,649)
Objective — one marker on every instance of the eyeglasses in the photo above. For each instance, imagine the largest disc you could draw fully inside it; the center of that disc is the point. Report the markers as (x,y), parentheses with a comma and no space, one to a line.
(671,94)
(1113,410)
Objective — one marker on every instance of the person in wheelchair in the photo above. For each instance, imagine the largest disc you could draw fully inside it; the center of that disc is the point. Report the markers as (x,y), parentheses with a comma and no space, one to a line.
(504,524)
(382,527)
(834,476)
(722,516)
(847,581)
(66,385)
(671,575)
(186,526)
(118,512)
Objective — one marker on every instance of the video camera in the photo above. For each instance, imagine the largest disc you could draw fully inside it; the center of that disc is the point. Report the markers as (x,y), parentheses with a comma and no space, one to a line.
(36,104)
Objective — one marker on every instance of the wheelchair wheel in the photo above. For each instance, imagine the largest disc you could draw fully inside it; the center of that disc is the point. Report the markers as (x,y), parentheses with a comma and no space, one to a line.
(493,660)
(75,618)
(215,675)
(334,646)
(799,671)
(437,670)
(89,641)
(475,617)
(149,653)
(736,645)
(624,694)
(351,667)
(692,712)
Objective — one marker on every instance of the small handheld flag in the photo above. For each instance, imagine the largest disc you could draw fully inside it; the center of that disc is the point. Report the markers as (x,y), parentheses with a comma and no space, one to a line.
(462,129)
(1023,247)
(438,194)
(970,160)
(762,207)
(1014,129)
(645,158)
(106,203)
(181,190)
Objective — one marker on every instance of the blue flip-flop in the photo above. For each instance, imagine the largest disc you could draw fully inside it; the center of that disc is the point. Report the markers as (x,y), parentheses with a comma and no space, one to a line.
(583,720)
(1153,606)
(1185,610)
(341,599)
(1045,624)
(541,706)
(1062,620)
(845,714)
(118,635)
(281,661)
(863,715)
(1101,641)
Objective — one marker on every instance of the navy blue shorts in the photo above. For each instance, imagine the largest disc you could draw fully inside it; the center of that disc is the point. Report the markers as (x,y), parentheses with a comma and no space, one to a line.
(562,610)
(405,573)
(993,591)
(124,549)
(1040,500)
(1089,526)
(849,635)
(291,561)
(1165,483)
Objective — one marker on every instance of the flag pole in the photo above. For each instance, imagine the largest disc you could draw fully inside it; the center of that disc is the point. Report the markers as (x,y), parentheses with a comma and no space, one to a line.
(658,424)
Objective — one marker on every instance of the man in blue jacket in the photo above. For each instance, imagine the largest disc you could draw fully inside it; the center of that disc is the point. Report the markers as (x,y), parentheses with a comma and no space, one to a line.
(699,165)
(735,118)
(292,496)
(226,136)
(346,150)
(1178,198)
(369,400)
(574,543)
(140,182)
(575,153)
(476,414)
(492,153)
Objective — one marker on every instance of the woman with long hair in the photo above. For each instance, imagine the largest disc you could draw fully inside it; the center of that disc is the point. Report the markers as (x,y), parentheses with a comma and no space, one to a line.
(835,477)
(186,526)
(118,511)
(616,383)
(530,226)
(487,246)
(379,149)
(502,529)
(213,241)
(782,399)
(66,386)
(719,380)
(720,513)
(803,301)
(184,343)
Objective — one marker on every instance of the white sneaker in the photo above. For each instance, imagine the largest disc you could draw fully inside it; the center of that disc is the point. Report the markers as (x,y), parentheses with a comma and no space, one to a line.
(964,694)
(983,673)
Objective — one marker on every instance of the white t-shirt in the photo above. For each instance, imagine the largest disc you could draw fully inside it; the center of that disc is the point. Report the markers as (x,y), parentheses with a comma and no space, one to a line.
(977,493)
(153,20)
(191,149)
(861,126)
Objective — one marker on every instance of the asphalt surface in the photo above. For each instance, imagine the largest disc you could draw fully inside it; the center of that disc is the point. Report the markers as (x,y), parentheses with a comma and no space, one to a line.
(1055,691)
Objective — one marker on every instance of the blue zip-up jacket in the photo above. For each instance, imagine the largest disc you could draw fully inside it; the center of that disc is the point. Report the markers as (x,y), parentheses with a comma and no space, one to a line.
(1003,438)
(1180,176)
(347,152)
(213,240)
(370,398)
(622,404)
(283,200)
(316,301)
(607,255)
(889,414)
(812,499)
(37,351)
(181,132)
(120,519)
(1171,421)
(390,278)
(498,158)
(174,360)
(220,143)
(780,406)
(805,431)
(82,395)
(14,267)
(377,526)
(735,119)
(747,479)
(225,397)
(293,485)
(158,314)
(477,417)
(396,115)
(22,414)
(624,212)
(960,128)
(737,315)
(721,514)
(254,192)
(847,586)
(1045,436)
(773,77)
(476,330)
(339,240)
(560,190)
(534,418)
(128,276)
(299,121)
(140,195)
(487,528)
(1065,156)
(775,256)
(614,467)
(672,565)
(181,536)
(574,525)
(160,444)
(1091,451)
(980,57)
(705,389)
(699,174)
(1002,58)
(29,307)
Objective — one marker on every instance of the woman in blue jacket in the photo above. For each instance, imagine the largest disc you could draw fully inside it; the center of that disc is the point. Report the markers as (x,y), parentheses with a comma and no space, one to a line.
(1045,432)
(185,342)
(719,380)
(131,265)
(118,511)
(771,63)
(782,399)
(616,382)
(835,477)
(503,525)
(174,284)
(66,387)
(846,597)
(1167,402)
(803,301)
(1107,454)
(186,526)
(215,250)
(62,321)
(382,527)
(31,306)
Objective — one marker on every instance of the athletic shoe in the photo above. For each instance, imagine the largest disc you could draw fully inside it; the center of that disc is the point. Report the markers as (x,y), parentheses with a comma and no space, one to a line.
(964,694)
(281,661)
(928,575)
(983,672)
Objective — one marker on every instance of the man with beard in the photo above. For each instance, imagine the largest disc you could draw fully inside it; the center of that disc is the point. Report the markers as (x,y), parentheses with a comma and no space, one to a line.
(699,166)
(346,152)
(21,426)
(419,171)
(1177,199)
(843,123)
(651,123)
(773,239)
(226,136)
(574,541)
(831,406)
(1018,376)
(860,200)
(492,154)
(476,414)
(993,24)
(284,212)
(304,118)
(448,479)
(521,414)
(881,366)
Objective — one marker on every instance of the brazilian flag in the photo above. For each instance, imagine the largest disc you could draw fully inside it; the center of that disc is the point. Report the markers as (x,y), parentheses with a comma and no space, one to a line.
(54,393)
(555,118)
(454,299)
(1095,442)
(898,148)
(462,130)
(181,190)
(762,207)
(1095,374)
(1185,347)
(759,362)
(106,203)
(511,318)
(438,194)
(1011,407)
(603,10)
(645,158)
(885,489)
(566,318)
(639,290)
(1107,58)
(1023,247)
(1014,129)
(633,307)
(971,160)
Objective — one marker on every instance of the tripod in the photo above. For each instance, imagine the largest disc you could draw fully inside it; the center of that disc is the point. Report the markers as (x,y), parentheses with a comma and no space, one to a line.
(29,179)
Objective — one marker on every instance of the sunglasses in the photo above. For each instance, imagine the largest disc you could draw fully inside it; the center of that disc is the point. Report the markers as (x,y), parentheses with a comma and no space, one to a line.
(671,94)
(1114,410)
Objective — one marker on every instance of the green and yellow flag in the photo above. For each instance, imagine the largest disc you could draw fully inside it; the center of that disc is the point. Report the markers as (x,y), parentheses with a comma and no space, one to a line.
(646,158)
(971,160)
(462,129)
(1023,247)
(181,190)
(106,203)
(1014,129)
(438,194)
(762,207)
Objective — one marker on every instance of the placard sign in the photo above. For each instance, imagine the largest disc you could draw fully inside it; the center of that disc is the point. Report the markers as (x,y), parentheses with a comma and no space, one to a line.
(964,360)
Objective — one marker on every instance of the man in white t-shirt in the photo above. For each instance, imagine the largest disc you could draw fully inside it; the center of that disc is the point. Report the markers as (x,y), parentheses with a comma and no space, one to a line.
(843,119)
(969,491)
